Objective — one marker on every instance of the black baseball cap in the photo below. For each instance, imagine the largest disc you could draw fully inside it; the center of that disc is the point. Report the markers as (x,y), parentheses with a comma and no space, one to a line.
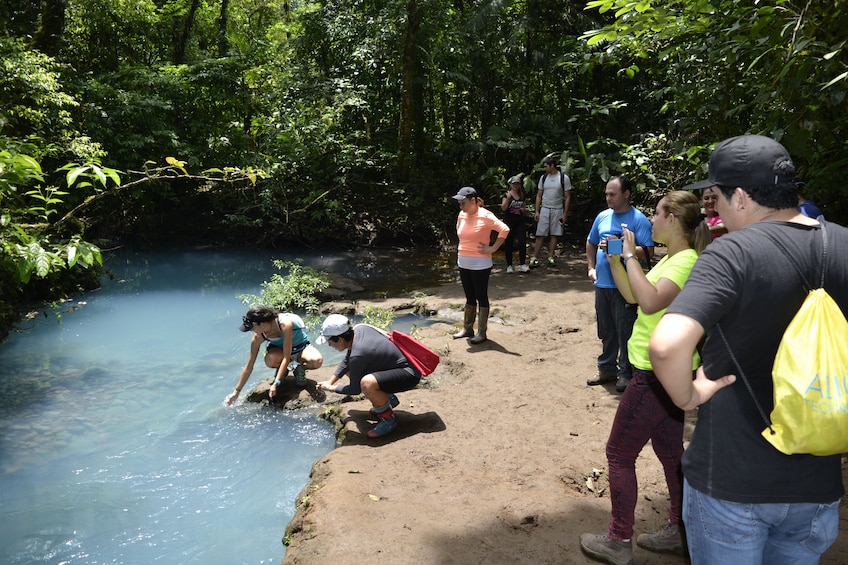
(747,160)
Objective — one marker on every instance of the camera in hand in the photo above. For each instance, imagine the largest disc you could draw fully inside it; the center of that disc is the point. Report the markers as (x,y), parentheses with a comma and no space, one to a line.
(614,246)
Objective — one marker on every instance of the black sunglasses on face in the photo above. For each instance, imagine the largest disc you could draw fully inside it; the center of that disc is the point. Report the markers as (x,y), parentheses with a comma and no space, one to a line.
(334,338)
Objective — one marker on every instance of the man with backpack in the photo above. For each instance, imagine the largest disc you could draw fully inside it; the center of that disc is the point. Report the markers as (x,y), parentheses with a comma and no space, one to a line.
(744,500)
(553,199)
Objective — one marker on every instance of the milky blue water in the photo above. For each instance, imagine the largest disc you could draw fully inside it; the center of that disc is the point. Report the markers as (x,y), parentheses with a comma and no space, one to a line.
(115,446)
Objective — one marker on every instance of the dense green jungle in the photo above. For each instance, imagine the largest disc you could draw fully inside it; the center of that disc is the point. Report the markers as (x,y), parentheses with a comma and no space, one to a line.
(286,123)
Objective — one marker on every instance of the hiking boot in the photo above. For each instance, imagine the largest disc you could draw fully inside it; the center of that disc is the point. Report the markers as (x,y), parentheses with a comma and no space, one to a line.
(393,401)
(601,379)
(621,384)
(509,270)
(384,427)
(668,539)
(604,548)
(534,263)
(523,268)
(551,261)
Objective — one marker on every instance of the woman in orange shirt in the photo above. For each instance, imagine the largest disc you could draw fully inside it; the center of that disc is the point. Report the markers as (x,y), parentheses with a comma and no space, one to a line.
(474,226)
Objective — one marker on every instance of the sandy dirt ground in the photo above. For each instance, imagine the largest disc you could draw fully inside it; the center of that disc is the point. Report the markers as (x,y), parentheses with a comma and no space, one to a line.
(499,455)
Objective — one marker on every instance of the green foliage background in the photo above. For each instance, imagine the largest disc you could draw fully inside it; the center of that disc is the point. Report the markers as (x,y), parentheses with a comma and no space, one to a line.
(286,122)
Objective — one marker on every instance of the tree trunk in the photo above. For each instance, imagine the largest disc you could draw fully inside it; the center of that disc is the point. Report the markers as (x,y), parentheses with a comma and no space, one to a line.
(408,114)
(223,44)
(48,38)
(182,39)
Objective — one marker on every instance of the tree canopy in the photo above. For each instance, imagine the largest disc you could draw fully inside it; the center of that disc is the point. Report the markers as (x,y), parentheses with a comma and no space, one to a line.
(281,122)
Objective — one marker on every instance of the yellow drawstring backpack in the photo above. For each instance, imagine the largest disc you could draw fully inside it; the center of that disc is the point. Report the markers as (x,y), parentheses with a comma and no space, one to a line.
(810,374)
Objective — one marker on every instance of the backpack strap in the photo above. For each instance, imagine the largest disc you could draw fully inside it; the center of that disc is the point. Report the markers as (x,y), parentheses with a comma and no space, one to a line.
(381,330)
(561,180)
(807,287)
(744,378)
(777,243)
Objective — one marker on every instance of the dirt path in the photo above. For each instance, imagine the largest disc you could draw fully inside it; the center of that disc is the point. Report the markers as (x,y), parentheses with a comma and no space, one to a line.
(499,458)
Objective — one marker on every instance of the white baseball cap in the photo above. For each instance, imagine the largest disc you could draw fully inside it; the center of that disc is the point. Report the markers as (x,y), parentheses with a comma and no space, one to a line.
(335,324)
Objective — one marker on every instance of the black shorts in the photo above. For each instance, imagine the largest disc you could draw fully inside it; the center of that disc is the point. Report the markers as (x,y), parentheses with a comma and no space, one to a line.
(397,380)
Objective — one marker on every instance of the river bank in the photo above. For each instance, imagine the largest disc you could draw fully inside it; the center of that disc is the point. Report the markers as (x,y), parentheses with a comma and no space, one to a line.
(499,457)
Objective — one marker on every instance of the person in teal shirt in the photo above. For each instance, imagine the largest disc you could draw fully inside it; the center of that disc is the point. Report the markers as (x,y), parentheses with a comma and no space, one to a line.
(645,411)
(288,344)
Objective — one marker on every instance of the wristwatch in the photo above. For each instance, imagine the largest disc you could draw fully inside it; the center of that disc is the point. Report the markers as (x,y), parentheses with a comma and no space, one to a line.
(627,258)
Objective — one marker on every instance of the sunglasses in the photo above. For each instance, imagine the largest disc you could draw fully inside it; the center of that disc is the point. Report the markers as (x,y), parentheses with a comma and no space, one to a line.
(334,338)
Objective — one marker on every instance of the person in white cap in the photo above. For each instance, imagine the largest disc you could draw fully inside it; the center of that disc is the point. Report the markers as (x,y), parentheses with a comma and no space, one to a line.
(743,500)
(288,345)
(474,227)
(374,365)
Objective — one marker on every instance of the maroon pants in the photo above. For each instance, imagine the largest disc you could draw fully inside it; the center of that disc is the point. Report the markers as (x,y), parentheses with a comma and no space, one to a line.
(644,413)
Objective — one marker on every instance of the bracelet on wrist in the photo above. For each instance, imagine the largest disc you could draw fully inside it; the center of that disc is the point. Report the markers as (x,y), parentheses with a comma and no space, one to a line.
(278,382)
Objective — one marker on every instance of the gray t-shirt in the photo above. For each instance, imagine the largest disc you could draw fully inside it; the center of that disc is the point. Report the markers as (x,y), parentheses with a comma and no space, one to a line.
(552,189)
(371,351)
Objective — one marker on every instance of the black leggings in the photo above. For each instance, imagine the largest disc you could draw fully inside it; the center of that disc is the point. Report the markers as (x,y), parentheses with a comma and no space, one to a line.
(476,286)
(517,235)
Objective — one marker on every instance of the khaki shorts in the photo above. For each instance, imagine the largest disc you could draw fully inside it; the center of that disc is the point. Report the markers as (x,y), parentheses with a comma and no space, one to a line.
(549,222)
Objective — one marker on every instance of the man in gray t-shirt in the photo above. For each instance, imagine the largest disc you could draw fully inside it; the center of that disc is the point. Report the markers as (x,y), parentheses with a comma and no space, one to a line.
(553,200)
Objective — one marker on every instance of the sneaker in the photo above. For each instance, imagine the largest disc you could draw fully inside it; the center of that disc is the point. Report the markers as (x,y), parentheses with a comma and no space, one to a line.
(384,427)
(601,379)
(534,263)
(551,261)
(621,384)
(509,270)
(604,548)
(668,539)
(299,375)
(523,268)
(393,401)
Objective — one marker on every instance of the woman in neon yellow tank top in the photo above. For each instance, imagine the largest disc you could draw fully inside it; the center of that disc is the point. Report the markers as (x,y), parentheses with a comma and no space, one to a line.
(645,411)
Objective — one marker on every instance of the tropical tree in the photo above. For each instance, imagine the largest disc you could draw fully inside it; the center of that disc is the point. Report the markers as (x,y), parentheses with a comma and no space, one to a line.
(721,68)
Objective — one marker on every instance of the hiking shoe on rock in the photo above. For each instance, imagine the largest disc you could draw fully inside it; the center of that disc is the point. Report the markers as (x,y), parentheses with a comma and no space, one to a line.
(604,548)
(621,384)
(601,379)
(509,270)
(668,539)
(393,401)
(299,375)
(551,261)
(384,427)
(523,268)
(534,263)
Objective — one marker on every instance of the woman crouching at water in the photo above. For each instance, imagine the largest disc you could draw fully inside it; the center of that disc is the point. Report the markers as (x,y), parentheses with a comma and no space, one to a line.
(287,341)
(375,367)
